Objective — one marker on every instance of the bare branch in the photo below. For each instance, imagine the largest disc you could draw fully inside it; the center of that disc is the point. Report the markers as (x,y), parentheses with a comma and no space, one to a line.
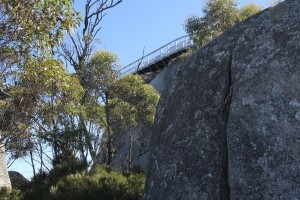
(79,40)
(74,44)
(138,67)
(83,44)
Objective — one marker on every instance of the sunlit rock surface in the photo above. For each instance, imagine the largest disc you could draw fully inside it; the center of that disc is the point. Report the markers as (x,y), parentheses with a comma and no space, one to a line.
(229,125)
(4,178)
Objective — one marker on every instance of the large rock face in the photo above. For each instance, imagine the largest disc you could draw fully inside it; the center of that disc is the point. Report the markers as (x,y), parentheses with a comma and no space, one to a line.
(135,144)
(4,178)
(229,125)
(162,81)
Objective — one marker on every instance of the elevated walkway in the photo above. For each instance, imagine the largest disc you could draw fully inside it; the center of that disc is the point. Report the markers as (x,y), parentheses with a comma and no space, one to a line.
(159,58)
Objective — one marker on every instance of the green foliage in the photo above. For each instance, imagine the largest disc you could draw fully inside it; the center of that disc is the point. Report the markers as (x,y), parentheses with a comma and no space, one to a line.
(47,107)
(66,164)
(185,55)
(29,28)
(219,16)
(249,10)
(192,24)
(96,76)
(100,183)
(43,93)
(100,71)
(10,194)
(32,26)
(41,184)
(4,193)
(44,88)
(115,105)
(38,189)
(29,32)
(133,102)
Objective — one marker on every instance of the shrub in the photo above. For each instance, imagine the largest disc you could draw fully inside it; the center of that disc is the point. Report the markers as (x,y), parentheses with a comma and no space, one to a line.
(74,187)
(100,183)
(37,188)
(10,194)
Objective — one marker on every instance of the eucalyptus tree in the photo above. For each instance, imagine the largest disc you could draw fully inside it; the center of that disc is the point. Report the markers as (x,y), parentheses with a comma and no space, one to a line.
(132,106)
(248,10)
(219,16)
(99,74)
(29,32)
(43,97)
(32,28)
(81,41)
(114,105)
(37,95)
(77,52)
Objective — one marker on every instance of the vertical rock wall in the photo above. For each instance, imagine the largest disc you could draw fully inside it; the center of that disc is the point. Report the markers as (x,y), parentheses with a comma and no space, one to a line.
(229,125)
(188,158)
(4,178)
(264,119)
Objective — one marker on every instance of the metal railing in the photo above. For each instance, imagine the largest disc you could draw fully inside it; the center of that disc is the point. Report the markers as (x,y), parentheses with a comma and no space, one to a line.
(172,47)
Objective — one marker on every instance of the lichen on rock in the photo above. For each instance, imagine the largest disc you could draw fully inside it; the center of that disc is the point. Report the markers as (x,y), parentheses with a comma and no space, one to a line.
(228,125)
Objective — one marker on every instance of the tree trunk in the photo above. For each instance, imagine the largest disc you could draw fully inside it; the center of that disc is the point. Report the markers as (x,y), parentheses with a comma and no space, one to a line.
(32,163)
(109,132)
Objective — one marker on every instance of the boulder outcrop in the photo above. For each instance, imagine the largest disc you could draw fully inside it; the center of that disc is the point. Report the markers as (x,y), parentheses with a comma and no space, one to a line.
(228,127)
(17,180)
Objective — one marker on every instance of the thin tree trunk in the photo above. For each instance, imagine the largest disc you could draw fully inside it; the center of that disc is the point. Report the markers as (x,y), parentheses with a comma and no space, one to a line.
(32,163)
(88,139)
(81,147)
(130,153)
(109,131)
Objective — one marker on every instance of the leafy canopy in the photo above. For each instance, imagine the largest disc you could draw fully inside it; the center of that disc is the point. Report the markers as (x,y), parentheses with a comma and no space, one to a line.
(133,101)
(35,25)
(219,16)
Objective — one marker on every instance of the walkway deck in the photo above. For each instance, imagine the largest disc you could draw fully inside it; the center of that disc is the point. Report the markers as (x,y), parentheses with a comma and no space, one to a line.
(159,58)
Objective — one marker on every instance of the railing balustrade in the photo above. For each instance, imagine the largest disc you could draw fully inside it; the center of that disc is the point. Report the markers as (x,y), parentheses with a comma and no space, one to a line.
(172,47)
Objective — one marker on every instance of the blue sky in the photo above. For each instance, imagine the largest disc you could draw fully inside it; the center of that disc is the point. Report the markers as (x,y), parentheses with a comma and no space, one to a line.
(135,24)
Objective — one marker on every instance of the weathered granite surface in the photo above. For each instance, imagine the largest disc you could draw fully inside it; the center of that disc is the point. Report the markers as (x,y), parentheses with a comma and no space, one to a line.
(4,178)
(135,144)
(163,80)
(229,126)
